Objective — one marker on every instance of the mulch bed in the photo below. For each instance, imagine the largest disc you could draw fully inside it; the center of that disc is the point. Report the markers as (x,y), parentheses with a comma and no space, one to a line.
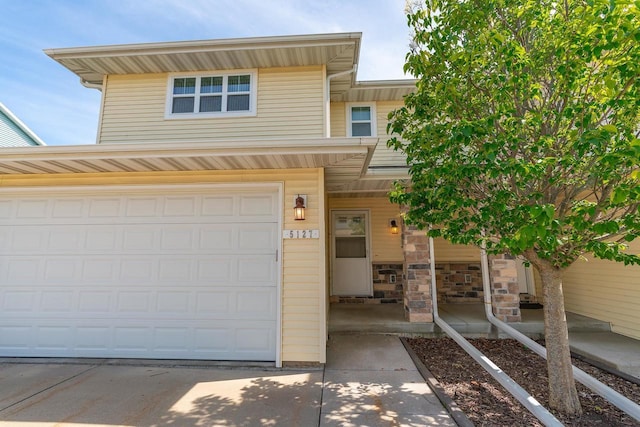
(487,403)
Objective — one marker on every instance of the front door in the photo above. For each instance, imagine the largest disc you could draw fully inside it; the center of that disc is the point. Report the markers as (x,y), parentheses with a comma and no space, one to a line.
(351,262)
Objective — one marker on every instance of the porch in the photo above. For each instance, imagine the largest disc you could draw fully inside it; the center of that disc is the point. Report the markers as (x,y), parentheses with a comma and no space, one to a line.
(467,319)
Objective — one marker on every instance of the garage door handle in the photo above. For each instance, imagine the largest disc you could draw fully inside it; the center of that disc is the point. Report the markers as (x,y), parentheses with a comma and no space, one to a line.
(276,255)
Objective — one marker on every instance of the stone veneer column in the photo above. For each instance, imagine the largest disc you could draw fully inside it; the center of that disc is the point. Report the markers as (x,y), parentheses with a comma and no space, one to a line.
(505,294)
(417,273)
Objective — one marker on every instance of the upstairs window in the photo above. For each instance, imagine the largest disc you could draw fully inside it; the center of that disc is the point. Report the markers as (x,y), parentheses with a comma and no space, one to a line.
(361,120)
(212,95)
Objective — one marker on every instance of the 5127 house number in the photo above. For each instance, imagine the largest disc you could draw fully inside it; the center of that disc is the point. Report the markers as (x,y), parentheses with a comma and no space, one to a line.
(300,234)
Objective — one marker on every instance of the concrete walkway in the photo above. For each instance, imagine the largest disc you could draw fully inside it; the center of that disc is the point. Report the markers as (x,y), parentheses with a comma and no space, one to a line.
(588,337)
(370,380)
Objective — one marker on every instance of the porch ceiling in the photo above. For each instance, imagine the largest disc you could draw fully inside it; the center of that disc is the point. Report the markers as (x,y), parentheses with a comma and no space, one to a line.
(344,159)
(375,183)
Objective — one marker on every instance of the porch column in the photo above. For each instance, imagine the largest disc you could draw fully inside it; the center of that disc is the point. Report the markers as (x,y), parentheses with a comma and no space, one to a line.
(417,273)
(505,294)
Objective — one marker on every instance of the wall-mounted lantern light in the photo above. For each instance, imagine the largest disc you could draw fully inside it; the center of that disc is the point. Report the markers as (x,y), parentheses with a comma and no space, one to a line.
(393,226)
(298,210)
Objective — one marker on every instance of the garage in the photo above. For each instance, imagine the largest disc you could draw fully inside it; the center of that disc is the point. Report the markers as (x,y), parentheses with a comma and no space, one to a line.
(173,272)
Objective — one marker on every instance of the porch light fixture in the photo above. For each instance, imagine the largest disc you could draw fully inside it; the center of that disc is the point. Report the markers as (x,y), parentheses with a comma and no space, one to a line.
(298,210)
(393,226)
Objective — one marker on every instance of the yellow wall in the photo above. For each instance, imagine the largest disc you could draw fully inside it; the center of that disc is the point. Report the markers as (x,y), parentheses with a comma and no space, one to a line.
(303,262)
(386,247)
(289,105)
(607,291)
(383,156)
(448,252)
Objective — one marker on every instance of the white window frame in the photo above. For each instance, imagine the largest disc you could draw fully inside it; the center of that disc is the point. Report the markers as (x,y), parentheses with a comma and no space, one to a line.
(253,91)
(372,107)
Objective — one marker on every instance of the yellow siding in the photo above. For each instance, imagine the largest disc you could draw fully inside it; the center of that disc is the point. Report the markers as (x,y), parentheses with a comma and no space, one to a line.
(448,252)
(303,261)
(338,120)
(386,247)
(383,156)
(289,105)
(607,291)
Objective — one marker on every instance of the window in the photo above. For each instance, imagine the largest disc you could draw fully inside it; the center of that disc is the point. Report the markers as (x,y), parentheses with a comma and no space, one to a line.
(211,95)
(361,120)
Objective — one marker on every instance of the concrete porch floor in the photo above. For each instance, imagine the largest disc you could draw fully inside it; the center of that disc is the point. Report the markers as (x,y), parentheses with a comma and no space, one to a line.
(467,319)
(588,337)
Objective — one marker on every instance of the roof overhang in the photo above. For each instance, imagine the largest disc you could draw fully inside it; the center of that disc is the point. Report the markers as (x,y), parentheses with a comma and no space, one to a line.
(376,90)
(376,182)
(344,159)
(339,52)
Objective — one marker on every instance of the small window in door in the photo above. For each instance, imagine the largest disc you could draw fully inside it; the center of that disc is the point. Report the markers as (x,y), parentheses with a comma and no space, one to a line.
(350,236)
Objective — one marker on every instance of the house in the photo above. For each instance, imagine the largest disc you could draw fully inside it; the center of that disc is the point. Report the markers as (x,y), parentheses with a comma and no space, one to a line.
(237,188)
(13,132)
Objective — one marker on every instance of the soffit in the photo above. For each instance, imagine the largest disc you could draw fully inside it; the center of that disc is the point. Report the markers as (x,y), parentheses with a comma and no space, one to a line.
(339,52)
(379,90)
(375,183)
(345,160)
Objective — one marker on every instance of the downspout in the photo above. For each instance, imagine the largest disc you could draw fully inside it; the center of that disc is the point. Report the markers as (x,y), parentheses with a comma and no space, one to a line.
(617,399)
(327,109)
(88,85)
(528,401)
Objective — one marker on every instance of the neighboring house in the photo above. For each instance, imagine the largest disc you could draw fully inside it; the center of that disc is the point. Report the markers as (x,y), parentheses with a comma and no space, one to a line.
(14,133)
(176,235)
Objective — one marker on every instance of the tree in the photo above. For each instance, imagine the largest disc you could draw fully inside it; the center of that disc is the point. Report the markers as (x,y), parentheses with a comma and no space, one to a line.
(523,134)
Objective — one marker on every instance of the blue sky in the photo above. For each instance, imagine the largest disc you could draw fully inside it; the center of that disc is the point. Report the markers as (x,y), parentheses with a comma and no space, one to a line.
(50,100)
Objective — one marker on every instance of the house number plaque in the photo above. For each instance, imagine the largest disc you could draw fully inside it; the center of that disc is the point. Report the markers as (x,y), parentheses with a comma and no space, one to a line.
(300,234)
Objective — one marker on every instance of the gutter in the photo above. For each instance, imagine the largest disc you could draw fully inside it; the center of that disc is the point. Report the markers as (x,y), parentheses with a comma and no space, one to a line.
(327,111)
(624,404)
(528,401)
(89,85)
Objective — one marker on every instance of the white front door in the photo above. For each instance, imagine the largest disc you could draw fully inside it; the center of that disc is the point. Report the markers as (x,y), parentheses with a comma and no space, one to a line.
(351,262)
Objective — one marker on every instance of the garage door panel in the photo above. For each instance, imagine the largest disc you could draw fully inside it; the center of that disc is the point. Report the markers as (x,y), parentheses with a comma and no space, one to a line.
(69,208)
(226,340)
(33,209)
(163,275)
(218,206)
(94,301)
(258,206)
(180,206)
(256,304)
(18,301)
(241,207)
(253,270)
(105,207)
(143,238)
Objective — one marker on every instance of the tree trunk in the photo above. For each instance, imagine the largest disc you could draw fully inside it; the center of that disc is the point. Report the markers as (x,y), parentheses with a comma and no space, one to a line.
(562,387)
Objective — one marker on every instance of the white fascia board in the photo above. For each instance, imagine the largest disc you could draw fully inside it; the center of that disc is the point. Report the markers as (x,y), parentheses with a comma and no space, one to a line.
(274,42)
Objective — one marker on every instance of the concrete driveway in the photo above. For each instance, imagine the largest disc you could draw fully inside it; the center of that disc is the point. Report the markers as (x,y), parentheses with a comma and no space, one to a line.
(369,380)
(95,395)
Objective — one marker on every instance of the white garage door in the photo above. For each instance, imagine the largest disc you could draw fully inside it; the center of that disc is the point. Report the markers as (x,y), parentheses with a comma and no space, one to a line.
(182,273)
